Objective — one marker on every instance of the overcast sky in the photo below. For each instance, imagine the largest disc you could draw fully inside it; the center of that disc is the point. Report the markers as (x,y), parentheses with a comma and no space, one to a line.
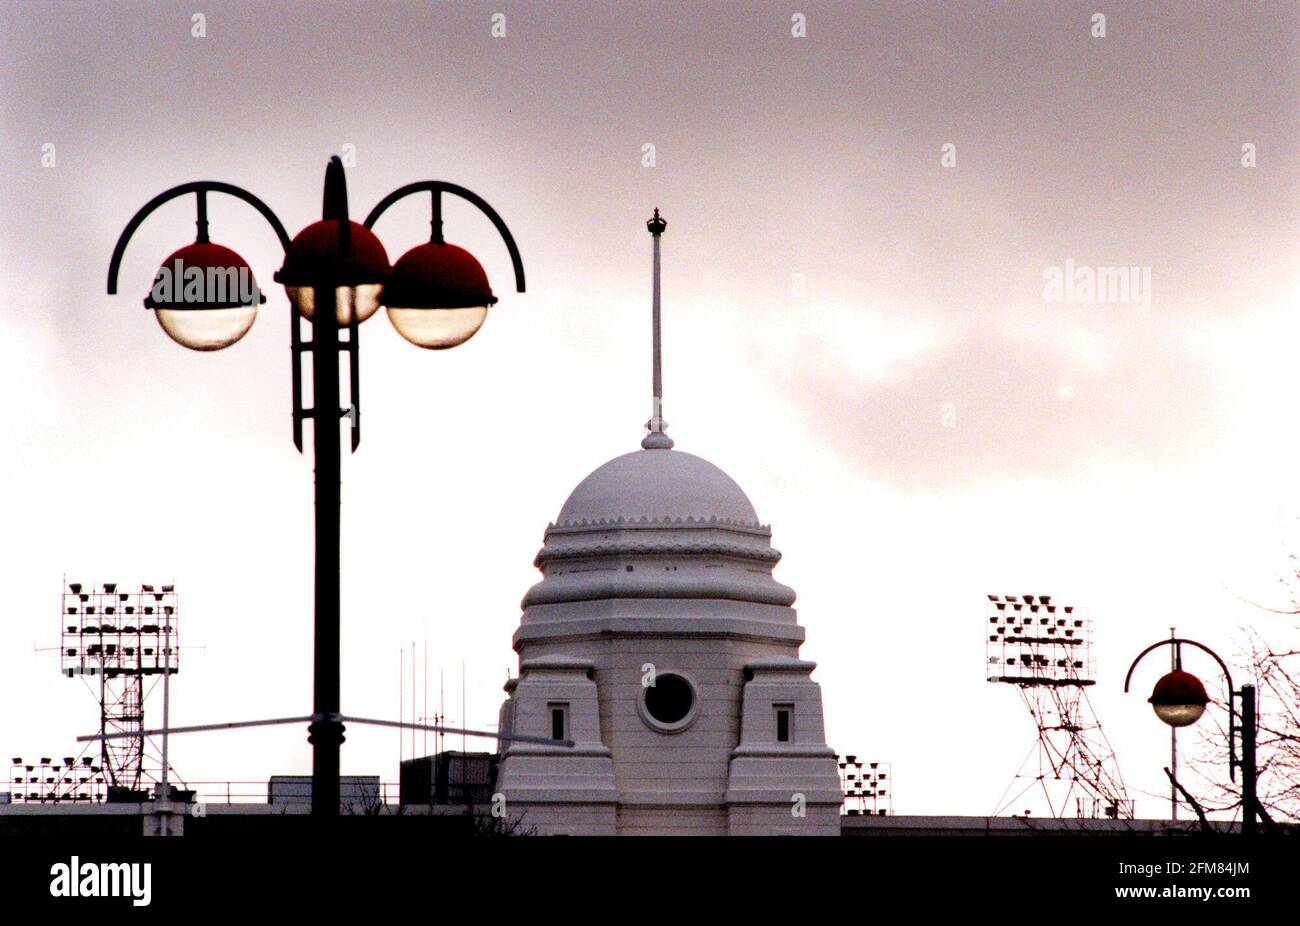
(857,333)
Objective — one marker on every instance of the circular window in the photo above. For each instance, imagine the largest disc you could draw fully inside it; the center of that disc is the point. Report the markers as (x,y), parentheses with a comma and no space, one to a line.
(669,705)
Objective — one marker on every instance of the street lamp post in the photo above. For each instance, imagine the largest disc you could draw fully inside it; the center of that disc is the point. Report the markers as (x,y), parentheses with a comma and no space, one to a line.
(1179,700)
(336,274)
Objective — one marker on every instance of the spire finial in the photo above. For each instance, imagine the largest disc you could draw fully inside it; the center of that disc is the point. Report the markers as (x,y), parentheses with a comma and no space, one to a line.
(657,438)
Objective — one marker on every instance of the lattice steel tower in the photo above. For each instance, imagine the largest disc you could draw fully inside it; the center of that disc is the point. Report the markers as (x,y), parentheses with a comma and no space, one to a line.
(117,639)
(1045,651)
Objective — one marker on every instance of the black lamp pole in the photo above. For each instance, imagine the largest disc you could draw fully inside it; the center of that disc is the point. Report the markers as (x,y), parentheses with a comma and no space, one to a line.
(326,730)
(1249,771)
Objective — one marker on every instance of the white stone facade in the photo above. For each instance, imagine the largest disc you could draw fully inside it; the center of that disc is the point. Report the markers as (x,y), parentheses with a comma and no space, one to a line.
(658,569)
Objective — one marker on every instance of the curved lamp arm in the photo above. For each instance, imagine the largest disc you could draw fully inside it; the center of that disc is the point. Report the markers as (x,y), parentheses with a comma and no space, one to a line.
(201,188)
(1177,643)
(437,188)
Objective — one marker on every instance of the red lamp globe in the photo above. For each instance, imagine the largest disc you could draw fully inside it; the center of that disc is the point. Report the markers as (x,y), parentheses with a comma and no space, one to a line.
(438,295)
(205,296)
(354,265)
(1179,699)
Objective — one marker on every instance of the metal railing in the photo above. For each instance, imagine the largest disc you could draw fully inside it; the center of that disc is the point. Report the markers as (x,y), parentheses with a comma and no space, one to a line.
(259,792)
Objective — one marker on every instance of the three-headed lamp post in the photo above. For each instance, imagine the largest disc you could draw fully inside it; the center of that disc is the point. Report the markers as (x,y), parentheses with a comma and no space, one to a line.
(336,275)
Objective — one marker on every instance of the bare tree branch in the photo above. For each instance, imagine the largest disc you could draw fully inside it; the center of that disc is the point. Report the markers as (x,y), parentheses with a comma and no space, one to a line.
(1196,806)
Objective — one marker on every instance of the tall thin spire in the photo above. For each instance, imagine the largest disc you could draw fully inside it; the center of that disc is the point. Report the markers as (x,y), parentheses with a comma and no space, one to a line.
(657,438)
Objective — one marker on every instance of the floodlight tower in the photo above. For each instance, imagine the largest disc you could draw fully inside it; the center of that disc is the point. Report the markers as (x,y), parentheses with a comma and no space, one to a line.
(1045,651)
(49,780)
(866,786)
(118,638)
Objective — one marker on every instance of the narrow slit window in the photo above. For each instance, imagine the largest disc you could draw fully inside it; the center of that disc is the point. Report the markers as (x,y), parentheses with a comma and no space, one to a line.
(784,722)
(559,721)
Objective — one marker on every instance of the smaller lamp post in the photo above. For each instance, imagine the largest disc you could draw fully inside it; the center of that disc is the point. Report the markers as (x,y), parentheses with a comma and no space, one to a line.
(1179,700)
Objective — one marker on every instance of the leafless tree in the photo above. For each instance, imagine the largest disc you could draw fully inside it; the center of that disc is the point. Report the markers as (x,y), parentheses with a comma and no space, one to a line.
(1272,664)
(491,825)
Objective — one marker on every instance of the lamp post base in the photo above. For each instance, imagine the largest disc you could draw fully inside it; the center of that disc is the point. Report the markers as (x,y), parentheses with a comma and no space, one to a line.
(325,736)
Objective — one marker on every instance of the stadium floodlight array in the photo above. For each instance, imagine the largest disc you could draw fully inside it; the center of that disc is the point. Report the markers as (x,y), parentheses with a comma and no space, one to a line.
(867,786)
(1044,650)
(115,633)
(120,638)
(1032,641)
(50,781)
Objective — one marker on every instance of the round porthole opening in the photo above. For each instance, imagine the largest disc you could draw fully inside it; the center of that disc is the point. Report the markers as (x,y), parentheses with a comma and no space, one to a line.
(670,703)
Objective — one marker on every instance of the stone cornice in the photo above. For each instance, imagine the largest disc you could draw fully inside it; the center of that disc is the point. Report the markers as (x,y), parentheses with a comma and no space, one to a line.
(659,547)
(724,585)
(783,751)
(643,522)
(781,665)
(557,662)
(668,628)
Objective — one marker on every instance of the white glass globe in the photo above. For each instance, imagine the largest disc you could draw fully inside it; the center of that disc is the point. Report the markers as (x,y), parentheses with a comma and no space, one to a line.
(363,299)
(207,329)
(1179,715)
(437,329)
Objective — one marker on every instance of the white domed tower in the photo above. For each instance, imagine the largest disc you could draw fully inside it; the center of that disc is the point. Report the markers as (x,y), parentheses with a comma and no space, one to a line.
(660,644)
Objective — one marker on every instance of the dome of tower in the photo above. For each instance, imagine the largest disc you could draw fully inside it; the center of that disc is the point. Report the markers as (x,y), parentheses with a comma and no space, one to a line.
(657,523)
(657,486)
